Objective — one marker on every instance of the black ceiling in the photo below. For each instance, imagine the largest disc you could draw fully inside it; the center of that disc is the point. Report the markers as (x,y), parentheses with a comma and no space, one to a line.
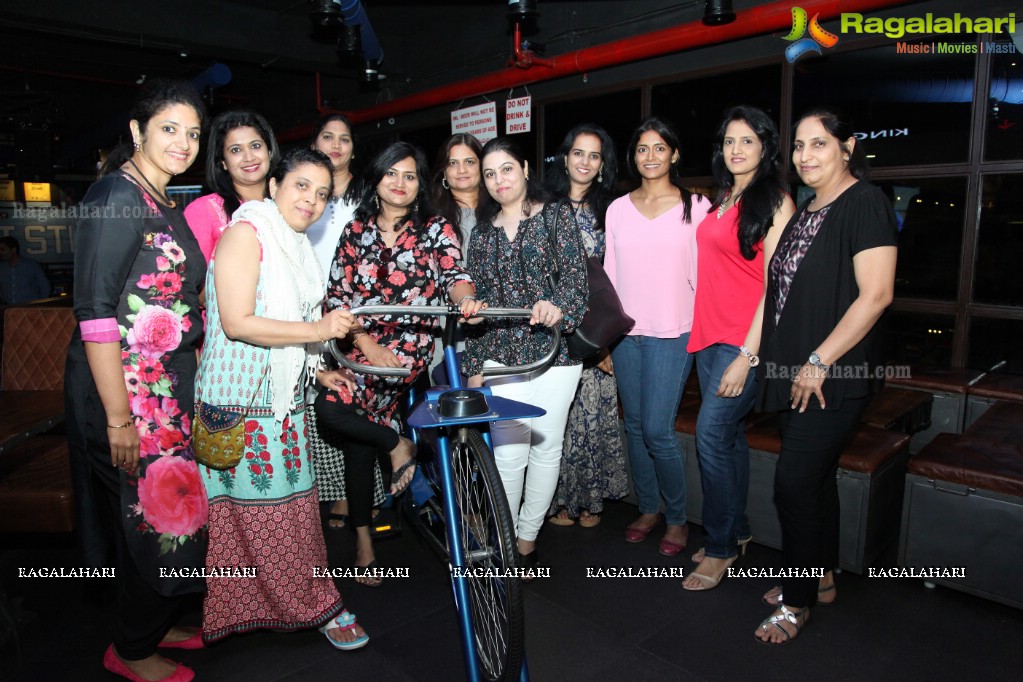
(67,68)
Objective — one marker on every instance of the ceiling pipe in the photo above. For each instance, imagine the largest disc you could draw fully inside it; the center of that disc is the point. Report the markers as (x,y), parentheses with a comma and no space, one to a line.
(524,59)
(776,16)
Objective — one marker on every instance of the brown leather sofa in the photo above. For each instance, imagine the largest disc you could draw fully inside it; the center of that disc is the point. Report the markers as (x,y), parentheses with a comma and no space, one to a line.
(35,476)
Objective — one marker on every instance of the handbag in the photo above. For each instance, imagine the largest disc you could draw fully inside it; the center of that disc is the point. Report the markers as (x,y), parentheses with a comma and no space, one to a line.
(218,434)
(605,320)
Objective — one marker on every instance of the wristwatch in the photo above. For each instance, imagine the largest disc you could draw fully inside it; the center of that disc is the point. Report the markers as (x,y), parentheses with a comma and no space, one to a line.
(754,360)
(815,361)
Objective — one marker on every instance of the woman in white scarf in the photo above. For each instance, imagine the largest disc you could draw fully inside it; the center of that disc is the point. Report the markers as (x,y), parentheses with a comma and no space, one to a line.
(264,290)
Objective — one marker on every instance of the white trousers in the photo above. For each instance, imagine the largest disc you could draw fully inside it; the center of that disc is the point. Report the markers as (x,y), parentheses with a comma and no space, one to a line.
(528,451)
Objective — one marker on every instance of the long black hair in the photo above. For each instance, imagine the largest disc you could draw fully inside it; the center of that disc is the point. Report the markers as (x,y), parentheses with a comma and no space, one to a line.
(353,190)
(600,193)
(421,210)
(154,97)
(443,199)
(765,192)
(839,126)
(217,177)
(667,133)
(488,207)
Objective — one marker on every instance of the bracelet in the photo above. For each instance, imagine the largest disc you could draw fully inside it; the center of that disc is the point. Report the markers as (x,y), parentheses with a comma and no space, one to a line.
(318,334)
(130,422)
(467,297)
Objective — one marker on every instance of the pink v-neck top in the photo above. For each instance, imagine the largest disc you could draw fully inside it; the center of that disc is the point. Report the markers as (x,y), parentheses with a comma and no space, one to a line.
(652,264)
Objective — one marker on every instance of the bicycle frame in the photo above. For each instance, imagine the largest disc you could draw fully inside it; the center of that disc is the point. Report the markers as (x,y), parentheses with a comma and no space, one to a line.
(429,415)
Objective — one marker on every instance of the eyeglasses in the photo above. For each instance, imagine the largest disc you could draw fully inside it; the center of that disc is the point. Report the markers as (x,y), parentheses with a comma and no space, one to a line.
(384,269)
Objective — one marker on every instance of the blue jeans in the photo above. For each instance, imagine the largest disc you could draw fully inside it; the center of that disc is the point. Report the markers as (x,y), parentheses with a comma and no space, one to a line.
(651,373)
(724,454)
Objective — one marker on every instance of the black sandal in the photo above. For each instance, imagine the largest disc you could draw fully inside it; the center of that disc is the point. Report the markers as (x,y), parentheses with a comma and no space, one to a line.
(527,565)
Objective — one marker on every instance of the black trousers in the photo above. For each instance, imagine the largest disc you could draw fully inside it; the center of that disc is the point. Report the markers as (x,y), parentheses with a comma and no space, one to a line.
(364,444)
(142,616)
(806,493)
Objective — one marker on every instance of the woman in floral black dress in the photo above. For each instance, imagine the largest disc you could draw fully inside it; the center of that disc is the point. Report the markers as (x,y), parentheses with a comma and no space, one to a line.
(393,252)
(129,383)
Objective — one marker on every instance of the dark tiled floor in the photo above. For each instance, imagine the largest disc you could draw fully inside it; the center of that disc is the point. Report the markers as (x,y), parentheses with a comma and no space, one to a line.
(578,628)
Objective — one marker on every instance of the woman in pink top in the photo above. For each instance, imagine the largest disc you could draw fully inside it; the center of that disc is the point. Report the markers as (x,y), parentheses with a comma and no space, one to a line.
(651,260)
(736,241)
(239,156)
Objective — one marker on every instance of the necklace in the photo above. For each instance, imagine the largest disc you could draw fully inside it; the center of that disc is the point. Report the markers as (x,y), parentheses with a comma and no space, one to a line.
(723,207)
(159,195)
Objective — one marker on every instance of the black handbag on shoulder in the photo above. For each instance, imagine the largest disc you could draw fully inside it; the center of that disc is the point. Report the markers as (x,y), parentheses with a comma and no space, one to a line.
(605,320)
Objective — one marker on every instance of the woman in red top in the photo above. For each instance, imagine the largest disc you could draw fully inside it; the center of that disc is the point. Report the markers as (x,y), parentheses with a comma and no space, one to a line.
(735,242)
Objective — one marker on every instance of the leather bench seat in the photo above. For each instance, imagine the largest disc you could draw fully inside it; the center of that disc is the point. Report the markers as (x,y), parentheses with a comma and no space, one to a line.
(899,409)
(938,379)
(999,387)
(964,506)
(35,488)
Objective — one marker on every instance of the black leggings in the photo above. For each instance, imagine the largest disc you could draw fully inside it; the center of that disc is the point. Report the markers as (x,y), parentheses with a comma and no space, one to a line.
(142,616)
(365,443)
(806,492)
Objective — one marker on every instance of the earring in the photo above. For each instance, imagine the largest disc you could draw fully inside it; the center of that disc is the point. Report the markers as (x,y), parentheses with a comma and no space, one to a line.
(415,207)
(846,158)
(137,146)
(444,183)
(376,201)
(600,174)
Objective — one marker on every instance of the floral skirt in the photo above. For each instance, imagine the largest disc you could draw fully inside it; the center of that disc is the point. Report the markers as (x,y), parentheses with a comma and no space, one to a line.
(593,460)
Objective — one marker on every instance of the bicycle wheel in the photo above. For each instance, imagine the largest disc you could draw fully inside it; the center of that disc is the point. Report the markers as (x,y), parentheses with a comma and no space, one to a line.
(488,540)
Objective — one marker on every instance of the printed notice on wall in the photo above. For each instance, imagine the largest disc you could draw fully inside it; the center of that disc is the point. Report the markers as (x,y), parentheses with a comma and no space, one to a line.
(480,121)
(516,117)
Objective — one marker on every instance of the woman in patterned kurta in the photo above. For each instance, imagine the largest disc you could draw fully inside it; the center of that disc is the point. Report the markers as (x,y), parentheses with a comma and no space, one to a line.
(129,383)
(263,293)
(393,252)
(593,461)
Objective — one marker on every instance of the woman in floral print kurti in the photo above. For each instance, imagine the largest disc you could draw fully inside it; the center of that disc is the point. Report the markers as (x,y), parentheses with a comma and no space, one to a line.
(129,384)
(394,252)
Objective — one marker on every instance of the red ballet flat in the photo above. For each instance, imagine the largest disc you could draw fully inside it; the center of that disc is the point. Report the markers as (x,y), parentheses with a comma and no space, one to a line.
(112,663)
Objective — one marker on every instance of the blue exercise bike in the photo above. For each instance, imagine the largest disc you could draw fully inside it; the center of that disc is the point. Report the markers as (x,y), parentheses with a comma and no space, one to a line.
(464,513)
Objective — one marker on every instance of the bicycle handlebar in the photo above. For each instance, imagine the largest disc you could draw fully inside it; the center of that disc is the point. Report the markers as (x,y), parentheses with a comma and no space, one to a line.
(443,311)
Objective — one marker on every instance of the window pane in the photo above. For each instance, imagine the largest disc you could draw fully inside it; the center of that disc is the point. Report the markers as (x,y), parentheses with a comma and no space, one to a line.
(695,108)
(617,113)
(908,109)
(1004,139)
(931,214)
(918,338)
(1000,241)
(994,342)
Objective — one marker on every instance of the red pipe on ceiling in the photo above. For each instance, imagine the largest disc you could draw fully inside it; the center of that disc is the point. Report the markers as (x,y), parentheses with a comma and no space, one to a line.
(775,16)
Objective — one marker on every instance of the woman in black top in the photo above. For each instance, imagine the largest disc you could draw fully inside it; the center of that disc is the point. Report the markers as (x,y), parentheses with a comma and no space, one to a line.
(519,242)
(831,278)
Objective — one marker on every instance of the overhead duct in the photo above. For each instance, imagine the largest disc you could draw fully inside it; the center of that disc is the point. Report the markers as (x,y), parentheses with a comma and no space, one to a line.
(775,16)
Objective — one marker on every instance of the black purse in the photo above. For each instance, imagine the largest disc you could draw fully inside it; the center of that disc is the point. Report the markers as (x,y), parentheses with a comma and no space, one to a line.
(605,320)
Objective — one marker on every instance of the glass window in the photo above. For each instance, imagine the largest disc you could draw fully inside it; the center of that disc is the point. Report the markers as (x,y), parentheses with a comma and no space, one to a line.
(918,338)
(1004,138)
(908,109)
(995,346)
(999,241)
(931,213)
(617,113)
(695,108)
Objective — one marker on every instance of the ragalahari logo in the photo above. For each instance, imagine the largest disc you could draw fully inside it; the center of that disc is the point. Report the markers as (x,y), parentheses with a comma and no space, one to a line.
(818,36)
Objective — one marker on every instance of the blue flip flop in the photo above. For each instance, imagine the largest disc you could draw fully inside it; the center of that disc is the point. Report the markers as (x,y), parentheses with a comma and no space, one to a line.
(344,621)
